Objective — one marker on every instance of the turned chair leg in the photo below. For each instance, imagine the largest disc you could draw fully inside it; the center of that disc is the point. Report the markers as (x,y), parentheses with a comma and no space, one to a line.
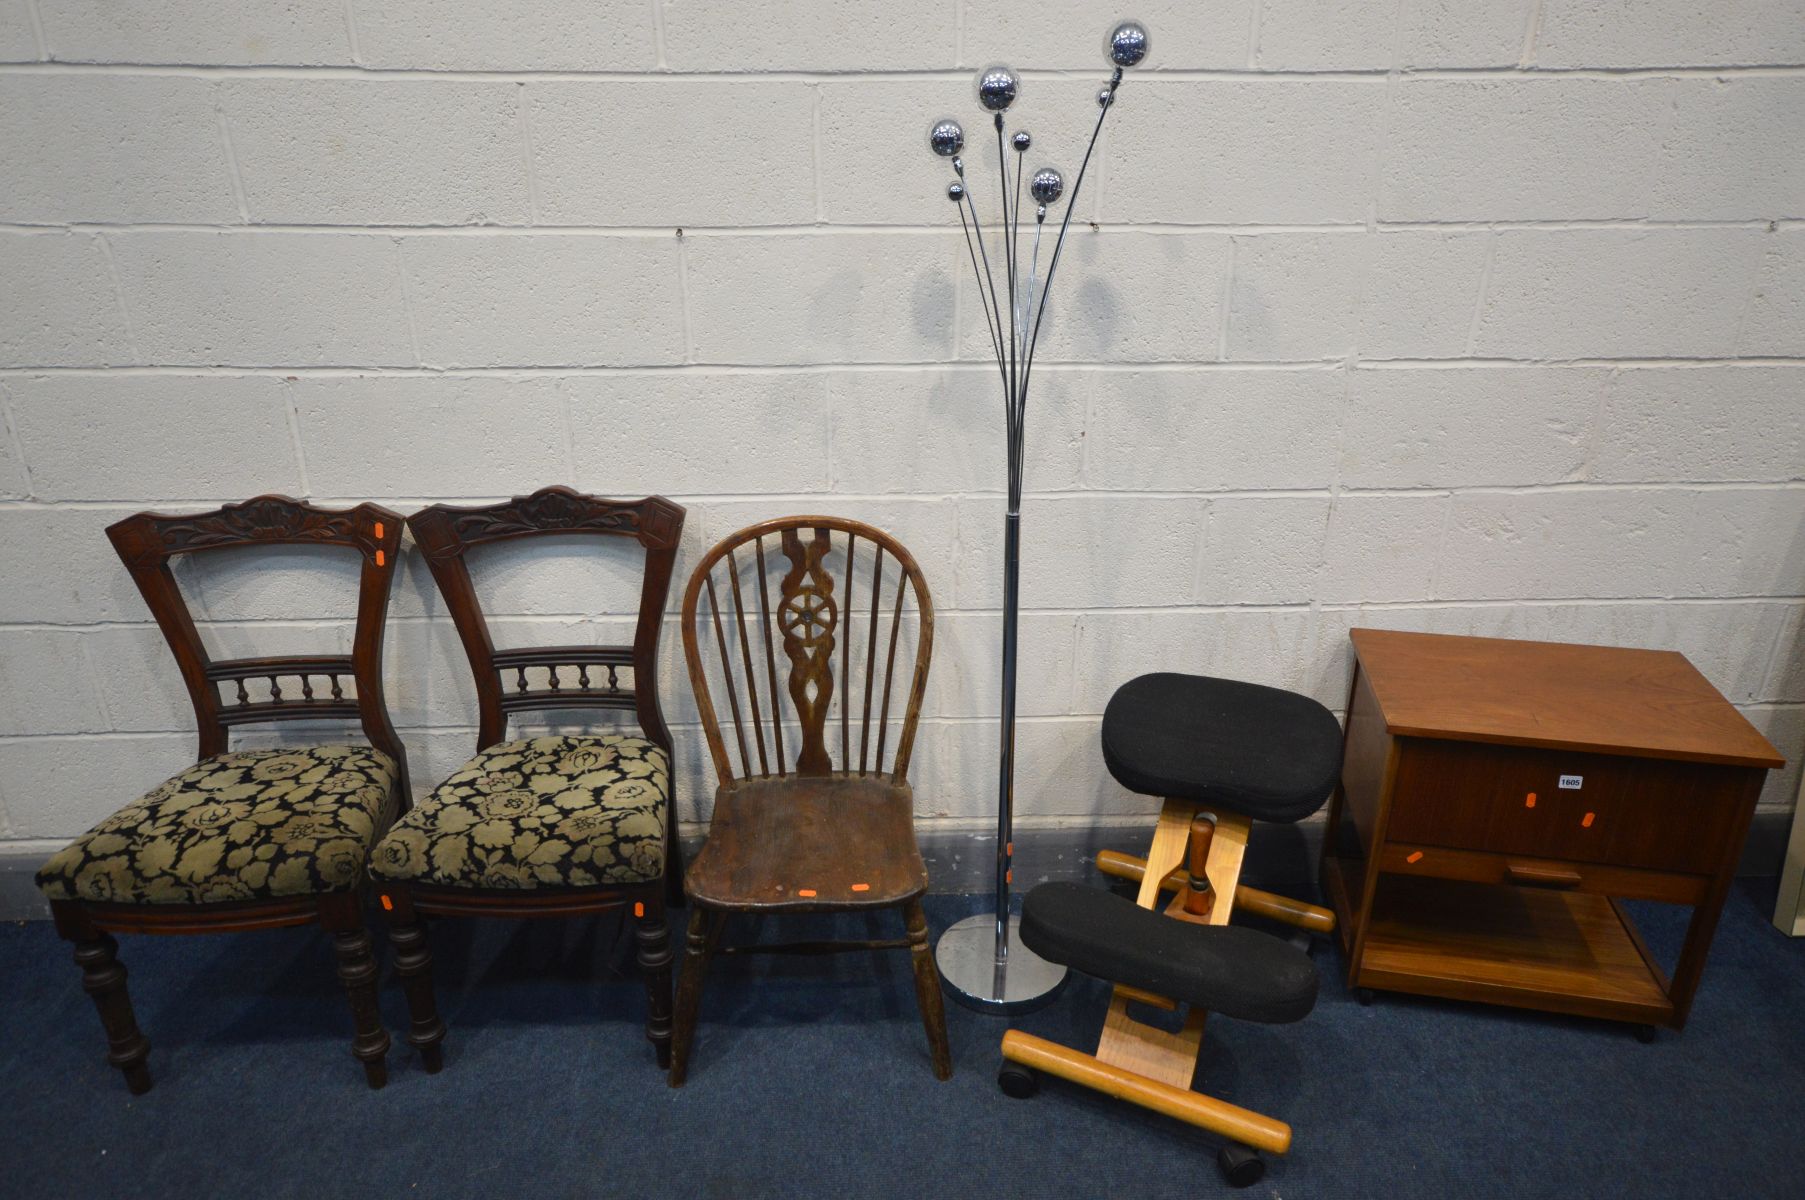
(103,977)
(357,972)
(413,963)
(927,989)
(653,933)
(704,929)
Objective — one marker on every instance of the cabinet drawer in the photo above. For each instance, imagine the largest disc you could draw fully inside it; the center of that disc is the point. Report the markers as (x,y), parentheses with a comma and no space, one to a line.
(1477,866)
(1634,812)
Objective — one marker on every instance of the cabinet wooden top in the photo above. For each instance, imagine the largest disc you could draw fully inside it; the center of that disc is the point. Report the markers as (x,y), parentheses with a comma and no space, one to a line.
(1648,703)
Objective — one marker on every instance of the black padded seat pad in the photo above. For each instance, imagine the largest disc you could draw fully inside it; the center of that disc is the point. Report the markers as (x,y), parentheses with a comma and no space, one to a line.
(1240,973)
(1269,754)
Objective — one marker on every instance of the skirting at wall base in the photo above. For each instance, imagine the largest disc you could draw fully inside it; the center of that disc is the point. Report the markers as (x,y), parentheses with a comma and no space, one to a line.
(961,857)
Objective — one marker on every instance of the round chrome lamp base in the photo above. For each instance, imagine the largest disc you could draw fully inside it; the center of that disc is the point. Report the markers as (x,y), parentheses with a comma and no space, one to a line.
(972,976)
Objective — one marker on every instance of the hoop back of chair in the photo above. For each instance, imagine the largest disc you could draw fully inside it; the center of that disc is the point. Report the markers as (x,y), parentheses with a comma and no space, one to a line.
(147,542)
(833,596)
(446,532)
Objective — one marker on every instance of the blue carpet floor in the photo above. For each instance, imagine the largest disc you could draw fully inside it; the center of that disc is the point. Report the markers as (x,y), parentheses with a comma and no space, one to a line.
(811,1078)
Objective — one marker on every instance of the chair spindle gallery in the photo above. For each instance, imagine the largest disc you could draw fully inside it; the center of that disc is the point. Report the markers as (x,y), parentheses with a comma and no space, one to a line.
(544,826)
(252,839)
(796,835)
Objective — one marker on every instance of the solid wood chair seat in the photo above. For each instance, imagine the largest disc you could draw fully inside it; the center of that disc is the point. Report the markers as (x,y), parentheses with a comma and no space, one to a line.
(798,827)
(810,842)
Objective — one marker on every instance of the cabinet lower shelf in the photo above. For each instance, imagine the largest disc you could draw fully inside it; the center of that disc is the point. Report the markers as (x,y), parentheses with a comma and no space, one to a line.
(1558,951)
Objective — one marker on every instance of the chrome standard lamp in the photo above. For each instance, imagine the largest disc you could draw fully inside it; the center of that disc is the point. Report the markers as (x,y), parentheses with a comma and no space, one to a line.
(980,958)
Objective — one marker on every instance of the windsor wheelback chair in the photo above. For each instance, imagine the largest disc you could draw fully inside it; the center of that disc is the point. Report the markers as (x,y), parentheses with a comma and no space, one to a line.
(251,839)
(802,835)
(546,826)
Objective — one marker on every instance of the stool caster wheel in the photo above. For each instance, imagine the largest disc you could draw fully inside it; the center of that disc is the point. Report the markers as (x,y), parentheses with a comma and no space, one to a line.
(1017,1081)
(1365,996)
(1240,1165)
(1646,1034)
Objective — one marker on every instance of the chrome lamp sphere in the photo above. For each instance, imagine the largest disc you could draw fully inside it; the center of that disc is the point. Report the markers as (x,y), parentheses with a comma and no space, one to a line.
(945,138)
(1047,186)
(1021,141)
(1104,96)
(955,191)
(997,88)
(1127,44)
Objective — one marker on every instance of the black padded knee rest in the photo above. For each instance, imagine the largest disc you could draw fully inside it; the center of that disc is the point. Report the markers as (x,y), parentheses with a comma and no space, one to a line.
(1270,754)
(1237,972)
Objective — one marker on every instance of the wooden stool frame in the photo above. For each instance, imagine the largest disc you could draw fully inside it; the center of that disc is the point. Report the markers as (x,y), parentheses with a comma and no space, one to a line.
(1141,1063)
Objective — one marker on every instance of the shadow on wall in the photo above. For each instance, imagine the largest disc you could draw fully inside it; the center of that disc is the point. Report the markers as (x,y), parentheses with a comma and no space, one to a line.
(844,309)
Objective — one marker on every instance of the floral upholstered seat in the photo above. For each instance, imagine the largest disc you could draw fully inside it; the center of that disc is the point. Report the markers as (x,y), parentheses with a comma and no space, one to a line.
(542,812)
(247,825)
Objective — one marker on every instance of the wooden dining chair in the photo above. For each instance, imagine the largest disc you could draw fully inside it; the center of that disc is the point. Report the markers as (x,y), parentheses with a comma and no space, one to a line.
(802,835)
(544,826)
(247,839)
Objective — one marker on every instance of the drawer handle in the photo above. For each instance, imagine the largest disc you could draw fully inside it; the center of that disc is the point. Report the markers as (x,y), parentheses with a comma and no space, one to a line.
(1542,876)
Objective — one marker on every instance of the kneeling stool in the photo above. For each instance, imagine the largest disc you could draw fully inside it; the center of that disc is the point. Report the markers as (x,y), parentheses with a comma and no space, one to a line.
(1222,753)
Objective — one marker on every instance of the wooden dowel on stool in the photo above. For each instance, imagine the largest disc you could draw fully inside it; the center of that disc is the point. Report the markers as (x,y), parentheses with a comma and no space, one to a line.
(1206,1112)
(1199,898)
(1275,907)
(1150,999)
(1127,866)
(1251,899)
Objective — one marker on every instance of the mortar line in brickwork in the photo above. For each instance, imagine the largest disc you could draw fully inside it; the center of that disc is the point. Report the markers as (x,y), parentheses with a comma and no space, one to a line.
(234,176)
(1336,485)
(352,43)
(1300,608)
(1771,251)
(658,34)
(821,228)
(407,305)
(817,160)
(1388,110)
(1485,286)
(524,100)
(293,414)
(125,309)
(100,696)
(1595,426)
(37,30)
(921,366)
(1681,364)
(1532,31)
(1155,77)
(1055,496)
(1227,305)
(1048,497)
(1437,556)
(689,330)
(11,431)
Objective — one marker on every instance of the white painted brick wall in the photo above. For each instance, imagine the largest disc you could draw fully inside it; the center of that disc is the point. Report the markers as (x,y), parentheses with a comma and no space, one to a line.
(1480,318)
(18,37)
(112,148)
(540,35)
(246,299)
(401,153)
